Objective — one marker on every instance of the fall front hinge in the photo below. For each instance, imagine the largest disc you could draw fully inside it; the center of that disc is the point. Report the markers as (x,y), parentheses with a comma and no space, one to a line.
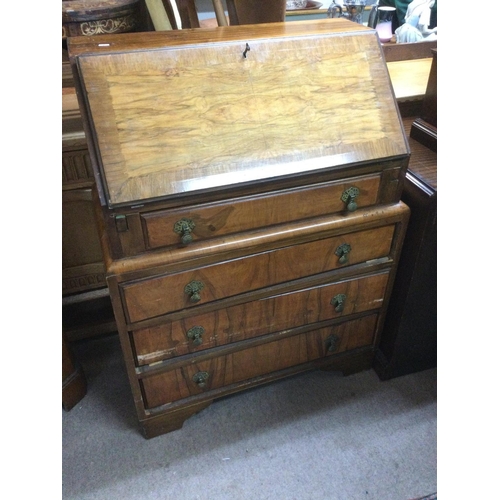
(121,223)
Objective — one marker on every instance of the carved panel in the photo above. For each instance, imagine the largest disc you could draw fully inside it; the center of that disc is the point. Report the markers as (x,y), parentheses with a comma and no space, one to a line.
(75,284)
(76,168)
(82,263)
(99,17)
(101,26)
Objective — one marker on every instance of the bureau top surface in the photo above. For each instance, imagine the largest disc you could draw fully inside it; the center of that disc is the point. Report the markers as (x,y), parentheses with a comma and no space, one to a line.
(185,111)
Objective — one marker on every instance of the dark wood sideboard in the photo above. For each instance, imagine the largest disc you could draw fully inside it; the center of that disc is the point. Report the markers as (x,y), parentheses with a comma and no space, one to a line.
(86,307)
(74,383)
(409,341)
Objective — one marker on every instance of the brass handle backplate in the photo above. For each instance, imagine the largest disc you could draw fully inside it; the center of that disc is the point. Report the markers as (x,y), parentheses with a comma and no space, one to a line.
(338,301)
(195,334)
(193,289)
(184,228)
(332,342)
(343,252)
(348,197)
(200,379)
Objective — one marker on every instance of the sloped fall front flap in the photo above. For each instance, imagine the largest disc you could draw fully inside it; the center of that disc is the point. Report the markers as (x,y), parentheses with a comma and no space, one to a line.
(178,118)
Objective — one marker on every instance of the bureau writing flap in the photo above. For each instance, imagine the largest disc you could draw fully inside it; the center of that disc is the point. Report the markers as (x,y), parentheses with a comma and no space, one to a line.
(177,112)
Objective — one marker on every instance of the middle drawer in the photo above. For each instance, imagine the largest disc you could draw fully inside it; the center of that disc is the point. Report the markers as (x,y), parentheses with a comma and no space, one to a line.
(260,317)
(151,297)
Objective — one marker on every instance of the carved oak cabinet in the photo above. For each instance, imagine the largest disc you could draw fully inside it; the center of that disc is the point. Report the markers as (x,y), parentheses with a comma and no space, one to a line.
(248,197)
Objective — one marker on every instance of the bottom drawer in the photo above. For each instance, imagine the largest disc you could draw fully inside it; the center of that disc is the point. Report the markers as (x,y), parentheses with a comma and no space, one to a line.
(221,371)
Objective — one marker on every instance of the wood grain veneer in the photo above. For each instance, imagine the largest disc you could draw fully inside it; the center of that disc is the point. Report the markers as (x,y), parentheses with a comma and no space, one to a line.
(228,118)
(281,148)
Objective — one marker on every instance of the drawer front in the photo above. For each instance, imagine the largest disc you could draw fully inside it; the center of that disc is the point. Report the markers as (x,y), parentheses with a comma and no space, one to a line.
(245,321)
(163,294)
(165,228)
(196,378)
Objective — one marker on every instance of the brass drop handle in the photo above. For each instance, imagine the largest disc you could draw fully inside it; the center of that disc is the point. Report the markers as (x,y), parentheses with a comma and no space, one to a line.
(195,334)
(348,197)
(200,379)
(332,342)
(343,252)
(338,301)
(184,228)
(193,289)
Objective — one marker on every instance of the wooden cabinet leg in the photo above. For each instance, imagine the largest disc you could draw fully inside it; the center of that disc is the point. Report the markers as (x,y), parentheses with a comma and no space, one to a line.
(348,365)
(74,383)
(172,421)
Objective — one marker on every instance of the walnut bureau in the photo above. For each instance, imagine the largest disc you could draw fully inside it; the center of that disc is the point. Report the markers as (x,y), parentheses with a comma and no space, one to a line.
(248,201)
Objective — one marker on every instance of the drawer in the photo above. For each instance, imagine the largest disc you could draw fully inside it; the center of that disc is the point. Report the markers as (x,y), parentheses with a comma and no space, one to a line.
(169,227)
(215,373)
(160,295)
(261,317)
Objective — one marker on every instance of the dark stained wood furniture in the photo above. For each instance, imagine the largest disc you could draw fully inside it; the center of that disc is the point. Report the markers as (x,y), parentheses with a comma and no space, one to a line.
(97,17)
(74,383)
(248,200)
(187,13)
(409,66)
(424,128)
(238,12)
(255,11)
(82,261)
(409,339)
(86,306)
(408,51)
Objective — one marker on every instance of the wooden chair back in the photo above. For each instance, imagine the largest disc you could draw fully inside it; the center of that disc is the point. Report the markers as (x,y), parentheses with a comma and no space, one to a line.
(239,12)
(256,11)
